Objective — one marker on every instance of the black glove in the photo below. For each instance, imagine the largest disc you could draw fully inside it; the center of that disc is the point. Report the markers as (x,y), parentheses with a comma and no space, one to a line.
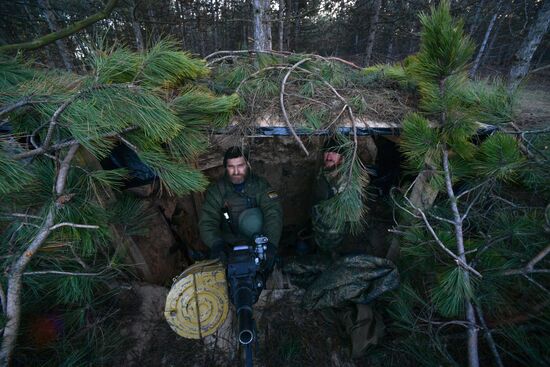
(218,251)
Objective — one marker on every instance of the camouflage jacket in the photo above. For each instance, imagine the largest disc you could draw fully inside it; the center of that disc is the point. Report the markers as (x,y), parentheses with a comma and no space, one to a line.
(222,195)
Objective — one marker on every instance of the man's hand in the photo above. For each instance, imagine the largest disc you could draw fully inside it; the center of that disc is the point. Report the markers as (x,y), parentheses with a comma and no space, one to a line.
(218,251)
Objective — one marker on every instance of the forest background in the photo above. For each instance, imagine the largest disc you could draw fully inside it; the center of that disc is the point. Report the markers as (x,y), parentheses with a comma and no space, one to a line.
(362,31)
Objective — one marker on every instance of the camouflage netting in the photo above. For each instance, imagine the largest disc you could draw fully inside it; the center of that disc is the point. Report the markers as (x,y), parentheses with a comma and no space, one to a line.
(356,279)
(317,91)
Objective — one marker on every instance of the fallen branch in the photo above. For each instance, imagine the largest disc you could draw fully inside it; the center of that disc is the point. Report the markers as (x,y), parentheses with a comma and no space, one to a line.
(55,117)
(457,259)
(15,276)
(530,266)
(283,109)
(23,102)
(73,225)
(2,299)
(489,337)
(56,272)
(68,143)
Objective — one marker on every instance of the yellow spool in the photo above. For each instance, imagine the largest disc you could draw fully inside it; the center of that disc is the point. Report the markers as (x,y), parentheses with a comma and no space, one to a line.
(197,304)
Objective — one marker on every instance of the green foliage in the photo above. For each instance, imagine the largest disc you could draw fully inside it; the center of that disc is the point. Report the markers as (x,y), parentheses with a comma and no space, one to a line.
(162,66)
(347,209)
(452,290)
(115,67)
(315,117)
(150,103)
(489,102)
(444,48)
(176,177)
(420,141)
(501,226)
(499,157)
(13,175)
(130,213)
(201,108)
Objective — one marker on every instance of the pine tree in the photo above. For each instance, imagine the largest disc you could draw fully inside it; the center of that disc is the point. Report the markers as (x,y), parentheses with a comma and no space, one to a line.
(472,260)
(58,223)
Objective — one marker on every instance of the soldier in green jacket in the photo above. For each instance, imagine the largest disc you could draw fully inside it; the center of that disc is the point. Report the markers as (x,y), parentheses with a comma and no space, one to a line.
(328,183)
(239,206)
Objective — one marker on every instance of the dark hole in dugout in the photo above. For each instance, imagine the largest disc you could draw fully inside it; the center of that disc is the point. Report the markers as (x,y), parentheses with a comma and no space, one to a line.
(290,172)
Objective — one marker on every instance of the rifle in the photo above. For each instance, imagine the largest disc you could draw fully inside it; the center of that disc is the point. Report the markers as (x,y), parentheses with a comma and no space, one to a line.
(246,275)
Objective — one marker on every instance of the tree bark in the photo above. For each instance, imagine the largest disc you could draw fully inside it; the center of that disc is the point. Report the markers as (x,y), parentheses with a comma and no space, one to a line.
(281,24)
(522,58)
(477,61)
(52,37)
(473,353)
(475,24)
(487,53)
(262,25)
(54,27)
(372,30)
(136,27)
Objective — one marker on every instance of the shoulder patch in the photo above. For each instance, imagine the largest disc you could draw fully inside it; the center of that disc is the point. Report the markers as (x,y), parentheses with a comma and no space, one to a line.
(272,194)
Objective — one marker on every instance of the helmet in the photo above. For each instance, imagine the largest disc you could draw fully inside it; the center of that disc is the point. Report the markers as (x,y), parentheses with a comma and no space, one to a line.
(251,222)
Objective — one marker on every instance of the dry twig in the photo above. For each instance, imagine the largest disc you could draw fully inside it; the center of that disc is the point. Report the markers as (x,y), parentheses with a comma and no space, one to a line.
(283,109)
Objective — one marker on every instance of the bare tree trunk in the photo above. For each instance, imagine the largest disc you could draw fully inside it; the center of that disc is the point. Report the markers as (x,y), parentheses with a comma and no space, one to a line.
(262,25)
(137,29)
(475,23)
(389,53)
(487,53)
(522,58)
(53,26)
(372,30)
(477,61)
(281,24)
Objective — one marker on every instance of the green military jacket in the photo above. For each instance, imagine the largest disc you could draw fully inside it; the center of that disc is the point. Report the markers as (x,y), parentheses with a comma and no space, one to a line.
(325,235)
(221,196)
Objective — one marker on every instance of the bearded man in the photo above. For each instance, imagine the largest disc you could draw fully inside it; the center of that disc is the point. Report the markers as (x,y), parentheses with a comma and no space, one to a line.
(239,206)
(328,183)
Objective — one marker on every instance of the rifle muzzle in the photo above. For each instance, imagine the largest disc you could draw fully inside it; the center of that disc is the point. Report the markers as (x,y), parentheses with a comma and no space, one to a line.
(246,327)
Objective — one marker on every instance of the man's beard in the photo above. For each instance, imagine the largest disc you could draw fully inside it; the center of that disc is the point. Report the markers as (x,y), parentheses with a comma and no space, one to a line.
(238,179)
(330,168)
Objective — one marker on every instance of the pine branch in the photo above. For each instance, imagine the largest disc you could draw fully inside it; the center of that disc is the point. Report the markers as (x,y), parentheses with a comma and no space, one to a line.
(489,337)
(15,283)
(73,225)
(68,143)
(540,286)
(2,299)
(56,272)
(458,259)
(22,102)
(21,215)
(64,170)
(530,266)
